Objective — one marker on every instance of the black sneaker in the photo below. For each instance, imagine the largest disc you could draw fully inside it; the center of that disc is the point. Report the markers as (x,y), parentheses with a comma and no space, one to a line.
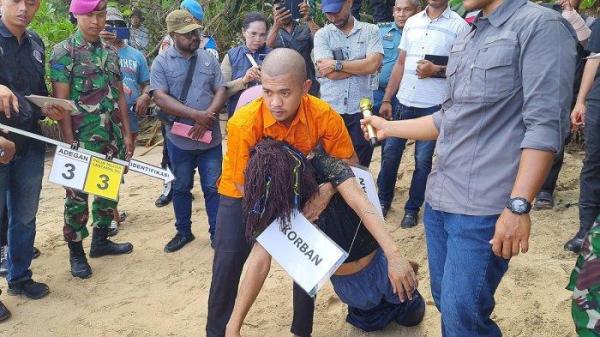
(3,261)
(410,220)
(30,288)
(178,242)
(165,198)
(4,313)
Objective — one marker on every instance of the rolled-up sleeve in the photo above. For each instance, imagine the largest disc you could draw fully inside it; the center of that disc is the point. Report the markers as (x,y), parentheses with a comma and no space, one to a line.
(547,69)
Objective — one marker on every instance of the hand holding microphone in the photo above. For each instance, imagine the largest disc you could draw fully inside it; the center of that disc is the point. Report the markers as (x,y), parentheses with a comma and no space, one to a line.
(372,125)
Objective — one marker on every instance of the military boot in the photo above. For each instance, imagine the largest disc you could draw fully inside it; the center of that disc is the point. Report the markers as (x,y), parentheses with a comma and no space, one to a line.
(576,243)
(79,265)
(102,246)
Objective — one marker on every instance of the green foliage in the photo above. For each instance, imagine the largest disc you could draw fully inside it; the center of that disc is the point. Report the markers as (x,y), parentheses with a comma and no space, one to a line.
(52,23)
(587,4)
(457,6)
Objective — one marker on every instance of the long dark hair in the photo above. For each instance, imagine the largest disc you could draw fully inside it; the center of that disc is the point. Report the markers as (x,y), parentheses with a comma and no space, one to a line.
(279,180)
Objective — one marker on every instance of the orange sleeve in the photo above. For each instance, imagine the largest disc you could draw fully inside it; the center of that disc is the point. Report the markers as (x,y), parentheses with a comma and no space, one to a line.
(239,143)
(336,140)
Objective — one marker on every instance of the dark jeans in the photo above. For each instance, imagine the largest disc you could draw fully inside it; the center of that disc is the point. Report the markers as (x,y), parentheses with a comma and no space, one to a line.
(464,271)
(231,251)
(20,186)
(550,183)
(363,149)
(382,10)
(378,97)
(184,163)
(4,227)
(390,161)
(589,197)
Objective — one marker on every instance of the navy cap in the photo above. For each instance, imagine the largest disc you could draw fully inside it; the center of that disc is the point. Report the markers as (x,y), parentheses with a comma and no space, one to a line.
(332,6)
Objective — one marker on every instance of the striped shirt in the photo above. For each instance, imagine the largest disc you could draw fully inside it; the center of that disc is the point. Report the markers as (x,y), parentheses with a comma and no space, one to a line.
(423,36)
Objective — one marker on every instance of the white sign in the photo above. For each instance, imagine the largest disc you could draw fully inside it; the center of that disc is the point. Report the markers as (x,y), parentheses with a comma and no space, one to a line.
(69,168)
(150,170)
(308,255)
(365,180)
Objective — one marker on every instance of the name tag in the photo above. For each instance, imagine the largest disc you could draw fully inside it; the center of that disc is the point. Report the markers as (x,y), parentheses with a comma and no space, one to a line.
(308,255)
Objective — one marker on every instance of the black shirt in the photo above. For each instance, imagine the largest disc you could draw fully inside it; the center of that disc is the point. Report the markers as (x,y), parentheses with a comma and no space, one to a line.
(22,71)
(338,220)
(300,39)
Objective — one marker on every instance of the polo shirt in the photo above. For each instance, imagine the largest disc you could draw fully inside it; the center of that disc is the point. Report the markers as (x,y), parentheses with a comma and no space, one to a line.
(315,123)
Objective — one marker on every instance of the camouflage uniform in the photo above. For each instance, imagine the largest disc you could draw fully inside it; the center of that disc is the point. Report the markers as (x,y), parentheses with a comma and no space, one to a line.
(92,71)
(585,284)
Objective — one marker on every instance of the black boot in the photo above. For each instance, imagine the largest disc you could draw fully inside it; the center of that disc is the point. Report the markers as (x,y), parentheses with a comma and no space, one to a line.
(576,243)
(102,246)
(79,265)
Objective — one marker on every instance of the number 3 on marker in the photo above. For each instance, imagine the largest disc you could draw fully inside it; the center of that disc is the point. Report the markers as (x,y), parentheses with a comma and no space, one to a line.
(104,184)
(70,174)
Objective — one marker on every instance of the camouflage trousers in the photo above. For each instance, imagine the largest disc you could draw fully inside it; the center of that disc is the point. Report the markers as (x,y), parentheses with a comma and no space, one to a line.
(77,214)
(585,284)
(76,204)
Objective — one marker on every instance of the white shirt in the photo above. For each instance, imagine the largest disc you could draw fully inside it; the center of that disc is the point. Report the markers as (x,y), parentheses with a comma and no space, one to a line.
(423,36)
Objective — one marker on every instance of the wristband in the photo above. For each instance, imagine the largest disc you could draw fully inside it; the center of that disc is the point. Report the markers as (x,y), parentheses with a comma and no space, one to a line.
(386,101)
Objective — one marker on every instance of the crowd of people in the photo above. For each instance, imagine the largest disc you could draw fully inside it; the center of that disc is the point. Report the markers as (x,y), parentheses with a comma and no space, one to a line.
(494,97)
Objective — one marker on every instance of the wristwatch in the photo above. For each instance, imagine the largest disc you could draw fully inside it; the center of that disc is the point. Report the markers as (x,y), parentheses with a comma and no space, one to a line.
(519,205)
(338,65)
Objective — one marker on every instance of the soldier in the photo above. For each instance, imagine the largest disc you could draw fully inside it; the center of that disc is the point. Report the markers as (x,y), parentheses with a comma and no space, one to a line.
(85,71)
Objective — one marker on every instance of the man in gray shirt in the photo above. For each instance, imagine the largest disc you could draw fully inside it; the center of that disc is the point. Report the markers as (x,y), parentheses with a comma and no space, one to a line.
(348,55)
(196,108)
(509,87)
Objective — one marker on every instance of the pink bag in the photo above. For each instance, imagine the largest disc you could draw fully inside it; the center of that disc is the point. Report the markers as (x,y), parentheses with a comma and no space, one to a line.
(182,130)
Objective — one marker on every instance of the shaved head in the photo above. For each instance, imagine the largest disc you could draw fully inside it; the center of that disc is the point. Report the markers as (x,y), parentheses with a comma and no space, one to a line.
(283,61)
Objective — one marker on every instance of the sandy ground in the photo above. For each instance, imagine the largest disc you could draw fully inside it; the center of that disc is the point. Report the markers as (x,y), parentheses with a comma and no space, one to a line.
(150,293)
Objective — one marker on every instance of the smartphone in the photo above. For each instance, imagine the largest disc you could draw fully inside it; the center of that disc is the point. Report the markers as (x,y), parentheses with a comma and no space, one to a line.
(122,33)
(291,5)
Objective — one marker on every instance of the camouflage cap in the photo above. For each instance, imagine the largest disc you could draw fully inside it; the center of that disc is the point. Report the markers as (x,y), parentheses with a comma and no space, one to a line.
(181,22)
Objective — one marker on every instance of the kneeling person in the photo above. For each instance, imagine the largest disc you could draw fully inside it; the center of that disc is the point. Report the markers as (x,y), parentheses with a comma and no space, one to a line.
(378,285)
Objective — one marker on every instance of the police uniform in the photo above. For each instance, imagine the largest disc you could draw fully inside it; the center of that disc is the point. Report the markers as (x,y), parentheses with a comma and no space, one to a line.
(390,38)
(22,71)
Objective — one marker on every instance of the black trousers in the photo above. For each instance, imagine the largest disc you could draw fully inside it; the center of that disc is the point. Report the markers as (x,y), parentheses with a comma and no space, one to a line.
(550,183)
(589,194)
(231,251)
(361,145)
(382,10)
(164,163)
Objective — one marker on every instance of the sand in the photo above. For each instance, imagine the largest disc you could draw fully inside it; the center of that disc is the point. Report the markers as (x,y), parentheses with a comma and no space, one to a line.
(151,293)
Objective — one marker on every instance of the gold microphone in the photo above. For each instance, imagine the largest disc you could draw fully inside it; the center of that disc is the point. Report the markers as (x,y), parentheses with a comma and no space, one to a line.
(366,107)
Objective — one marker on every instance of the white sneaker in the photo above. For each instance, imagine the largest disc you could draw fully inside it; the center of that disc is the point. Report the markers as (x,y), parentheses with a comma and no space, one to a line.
(3,261)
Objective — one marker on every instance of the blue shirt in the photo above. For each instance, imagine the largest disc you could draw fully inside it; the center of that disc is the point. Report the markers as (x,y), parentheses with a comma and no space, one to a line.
(390,38)
(135,73)
(168,74)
